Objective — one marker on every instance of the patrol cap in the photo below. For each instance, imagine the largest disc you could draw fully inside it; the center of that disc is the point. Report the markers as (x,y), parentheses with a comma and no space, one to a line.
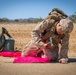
(67,25)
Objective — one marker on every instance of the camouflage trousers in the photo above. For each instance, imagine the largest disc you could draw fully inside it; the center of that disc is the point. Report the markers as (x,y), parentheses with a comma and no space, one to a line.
(32,50)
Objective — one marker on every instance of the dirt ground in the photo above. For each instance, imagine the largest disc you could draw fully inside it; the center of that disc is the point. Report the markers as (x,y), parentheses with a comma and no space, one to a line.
(38,69)
(20,32)
(22,35)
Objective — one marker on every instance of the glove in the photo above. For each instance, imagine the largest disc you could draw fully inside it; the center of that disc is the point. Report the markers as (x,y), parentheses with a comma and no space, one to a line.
(63,60)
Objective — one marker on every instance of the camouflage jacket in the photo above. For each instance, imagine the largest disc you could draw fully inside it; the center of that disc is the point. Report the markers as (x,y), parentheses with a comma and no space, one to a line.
(50,24)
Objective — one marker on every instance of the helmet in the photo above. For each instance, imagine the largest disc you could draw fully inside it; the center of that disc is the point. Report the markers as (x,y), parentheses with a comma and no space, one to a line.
(67,25)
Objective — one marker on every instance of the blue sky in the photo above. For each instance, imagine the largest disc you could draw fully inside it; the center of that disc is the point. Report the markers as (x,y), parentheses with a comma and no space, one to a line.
(15,9)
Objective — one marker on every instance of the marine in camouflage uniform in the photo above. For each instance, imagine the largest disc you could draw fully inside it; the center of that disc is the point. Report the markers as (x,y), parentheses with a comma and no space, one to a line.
(46,32)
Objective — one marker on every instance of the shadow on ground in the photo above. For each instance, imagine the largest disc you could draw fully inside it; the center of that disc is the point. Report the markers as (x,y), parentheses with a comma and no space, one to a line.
(72,60)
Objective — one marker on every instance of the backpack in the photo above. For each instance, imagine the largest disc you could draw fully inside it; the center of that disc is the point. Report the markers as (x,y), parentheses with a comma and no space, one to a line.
(6,44)
(56,15)
(2,41)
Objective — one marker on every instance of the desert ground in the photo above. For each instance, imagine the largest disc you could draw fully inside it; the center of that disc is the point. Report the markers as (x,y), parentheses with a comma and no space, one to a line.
(22,35)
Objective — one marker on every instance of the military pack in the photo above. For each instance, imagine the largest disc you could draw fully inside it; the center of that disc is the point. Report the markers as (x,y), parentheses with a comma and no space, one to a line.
(55,15)
(6,44)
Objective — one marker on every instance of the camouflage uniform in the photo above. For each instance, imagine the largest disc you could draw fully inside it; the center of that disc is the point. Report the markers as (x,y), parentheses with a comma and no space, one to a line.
(38,40)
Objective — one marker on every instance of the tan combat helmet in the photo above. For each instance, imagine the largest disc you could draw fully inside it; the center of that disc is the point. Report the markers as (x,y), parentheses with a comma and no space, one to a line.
(67,25)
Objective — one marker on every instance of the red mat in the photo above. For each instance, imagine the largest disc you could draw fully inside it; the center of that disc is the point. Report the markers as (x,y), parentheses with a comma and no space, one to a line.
(10,54)
(28,59)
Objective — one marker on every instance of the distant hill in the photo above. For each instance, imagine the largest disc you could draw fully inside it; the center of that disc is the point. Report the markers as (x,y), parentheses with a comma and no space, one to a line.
(25,20)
